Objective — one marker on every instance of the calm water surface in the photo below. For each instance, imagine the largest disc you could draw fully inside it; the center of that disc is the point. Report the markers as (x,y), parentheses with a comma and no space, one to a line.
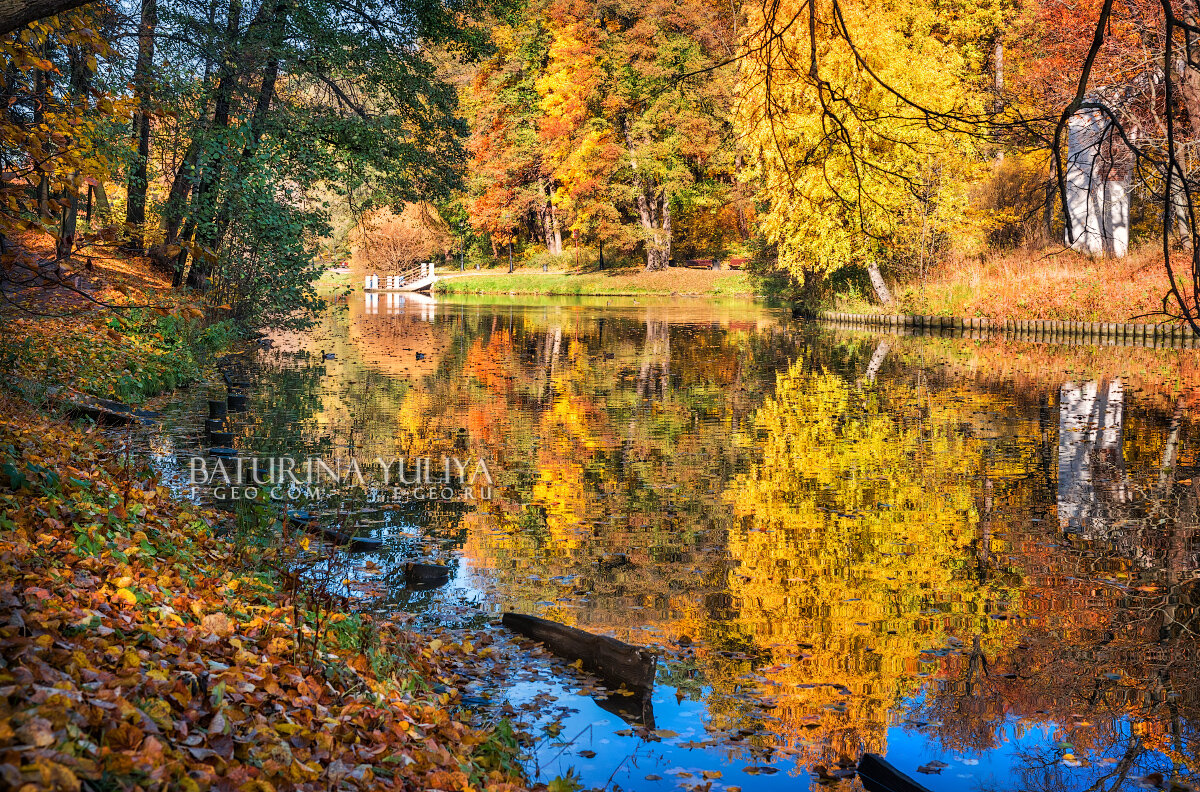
(979,559)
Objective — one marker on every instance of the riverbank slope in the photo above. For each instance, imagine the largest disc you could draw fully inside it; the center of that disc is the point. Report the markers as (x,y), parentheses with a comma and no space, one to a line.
(1053,284)
(146,643)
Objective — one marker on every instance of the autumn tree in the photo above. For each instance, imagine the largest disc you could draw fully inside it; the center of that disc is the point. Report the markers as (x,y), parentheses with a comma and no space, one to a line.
(629,101)
(138,181)
(601,118)
(53,124)
(282,96)
(838,103)
(387,240)
(509,186)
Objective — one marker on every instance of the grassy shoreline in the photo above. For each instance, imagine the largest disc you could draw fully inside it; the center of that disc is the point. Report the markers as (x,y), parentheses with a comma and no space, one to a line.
(677,281)
(1052,284)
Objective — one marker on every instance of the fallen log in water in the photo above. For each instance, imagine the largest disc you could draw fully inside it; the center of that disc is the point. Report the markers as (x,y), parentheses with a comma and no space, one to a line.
(350,541)
(615,662)
(334,535)
(104,411)
(425,576)
(76,404)
(879,775)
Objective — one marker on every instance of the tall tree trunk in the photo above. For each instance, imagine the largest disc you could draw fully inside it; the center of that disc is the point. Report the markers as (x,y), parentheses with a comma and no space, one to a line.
(557,229)
(1179,213)
(65,244)
(213,240)
(743,222)
(998,73)
(135,212)
(80,88)
(543,217)
(204,197)
(665,213)
(175,206)
(655,216)
(1189,69)
(1048,208)
(879,284)
(103,209)
(998,83)
(656,221)
(1189,87)
(39,117)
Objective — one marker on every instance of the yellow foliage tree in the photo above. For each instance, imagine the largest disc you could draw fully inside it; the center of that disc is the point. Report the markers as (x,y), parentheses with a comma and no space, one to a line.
(839,105)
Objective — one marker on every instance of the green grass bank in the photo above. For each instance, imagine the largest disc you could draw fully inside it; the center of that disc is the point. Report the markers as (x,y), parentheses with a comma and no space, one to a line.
(612,283)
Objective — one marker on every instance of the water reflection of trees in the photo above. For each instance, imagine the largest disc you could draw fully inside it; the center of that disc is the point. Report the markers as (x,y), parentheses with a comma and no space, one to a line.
(615,441)
(857,545)
(1106,657)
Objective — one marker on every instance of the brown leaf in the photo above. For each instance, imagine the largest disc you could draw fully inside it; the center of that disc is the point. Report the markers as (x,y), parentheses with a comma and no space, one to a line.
(218,624)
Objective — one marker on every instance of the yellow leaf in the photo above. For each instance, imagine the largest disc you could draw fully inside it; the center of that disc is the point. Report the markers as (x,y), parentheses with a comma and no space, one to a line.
(125,595)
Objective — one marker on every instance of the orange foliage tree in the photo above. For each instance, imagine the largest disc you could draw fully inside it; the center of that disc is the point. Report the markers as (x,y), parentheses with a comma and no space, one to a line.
(385,240)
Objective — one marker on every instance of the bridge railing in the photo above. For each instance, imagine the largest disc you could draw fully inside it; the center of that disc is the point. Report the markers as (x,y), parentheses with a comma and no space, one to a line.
(418,271)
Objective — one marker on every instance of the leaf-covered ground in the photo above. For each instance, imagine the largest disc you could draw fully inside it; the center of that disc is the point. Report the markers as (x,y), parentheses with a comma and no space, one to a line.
(137,651)
(122,334)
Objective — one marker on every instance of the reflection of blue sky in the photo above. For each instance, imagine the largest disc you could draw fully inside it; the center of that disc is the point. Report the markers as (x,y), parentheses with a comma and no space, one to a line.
(1037,751)
(625,761)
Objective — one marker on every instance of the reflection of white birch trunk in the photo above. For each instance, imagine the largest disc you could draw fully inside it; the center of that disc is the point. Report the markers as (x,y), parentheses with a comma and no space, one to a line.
(656,352)
(554,350)
(1097,186)
(1170,452)
(877,360)
(1089,441)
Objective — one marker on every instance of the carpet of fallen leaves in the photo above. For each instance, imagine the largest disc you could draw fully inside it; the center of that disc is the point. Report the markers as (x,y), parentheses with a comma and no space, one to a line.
(123,333)
(139,652)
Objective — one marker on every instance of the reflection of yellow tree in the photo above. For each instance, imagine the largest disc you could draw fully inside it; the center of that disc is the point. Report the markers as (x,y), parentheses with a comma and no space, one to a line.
(596,464)
(856,552)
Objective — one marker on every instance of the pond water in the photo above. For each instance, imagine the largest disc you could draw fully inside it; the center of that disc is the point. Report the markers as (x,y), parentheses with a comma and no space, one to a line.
(977,558)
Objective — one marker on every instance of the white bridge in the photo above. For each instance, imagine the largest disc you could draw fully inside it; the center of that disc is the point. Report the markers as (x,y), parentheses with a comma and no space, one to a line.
(418,277)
